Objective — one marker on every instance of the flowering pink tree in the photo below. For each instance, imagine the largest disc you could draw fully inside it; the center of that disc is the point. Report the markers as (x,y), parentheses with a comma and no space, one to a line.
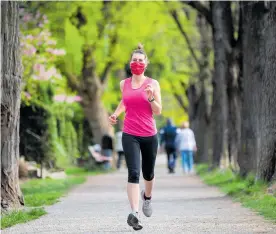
(39,56)
(68,99)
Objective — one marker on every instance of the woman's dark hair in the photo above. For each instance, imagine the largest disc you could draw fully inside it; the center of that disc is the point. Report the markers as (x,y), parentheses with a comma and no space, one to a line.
(140,50)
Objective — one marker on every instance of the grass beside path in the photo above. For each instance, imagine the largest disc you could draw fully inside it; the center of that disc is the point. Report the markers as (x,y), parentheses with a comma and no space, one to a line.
(44,192)
(250,193)
(16,217)
(78,171)
(39,192)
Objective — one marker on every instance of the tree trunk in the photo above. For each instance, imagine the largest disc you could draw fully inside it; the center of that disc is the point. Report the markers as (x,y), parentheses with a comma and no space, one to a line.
(192,94)
(11,196)
(200,127)
(250,104)
(234,89)
(258,153)
(91,92)
(97,117)
(234,120)
(203,132)
(220,104)
(195,112)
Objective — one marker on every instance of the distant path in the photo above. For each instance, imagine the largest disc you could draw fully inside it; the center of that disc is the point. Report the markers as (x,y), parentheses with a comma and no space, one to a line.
(182,204)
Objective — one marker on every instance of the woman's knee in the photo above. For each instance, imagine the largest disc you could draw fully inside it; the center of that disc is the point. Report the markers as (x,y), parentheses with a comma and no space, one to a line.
(133,176)
(148,176)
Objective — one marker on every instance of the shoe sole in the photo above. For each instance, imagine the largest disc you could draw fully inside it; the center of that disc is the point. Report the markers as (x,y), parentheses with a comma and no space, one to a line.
(134,222)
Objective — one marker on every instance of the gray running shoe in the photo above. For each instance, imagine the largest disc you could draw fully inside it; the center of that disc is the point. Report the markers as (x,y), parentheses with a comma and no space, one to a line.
(134,222)
(147,208)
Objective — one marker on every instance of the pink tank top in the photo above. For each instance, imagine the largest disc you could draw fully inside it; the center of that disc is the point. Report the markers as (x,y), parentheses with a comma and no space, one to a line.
(139,119)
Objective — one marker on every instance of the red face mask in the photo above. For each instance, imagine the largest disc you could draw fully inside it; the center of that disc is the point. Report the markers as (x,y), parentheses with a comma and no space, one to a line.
(137,68)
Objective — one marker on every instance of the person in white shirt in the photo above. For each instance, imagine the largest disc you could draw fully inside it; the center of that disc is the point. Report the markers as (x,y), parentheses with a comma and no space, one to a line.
(119,148)
(186,145)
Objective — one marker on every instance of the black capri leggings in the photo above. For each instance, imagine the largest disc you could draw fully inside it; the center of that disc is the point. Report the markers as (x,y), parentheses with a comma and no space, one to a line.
(132,146)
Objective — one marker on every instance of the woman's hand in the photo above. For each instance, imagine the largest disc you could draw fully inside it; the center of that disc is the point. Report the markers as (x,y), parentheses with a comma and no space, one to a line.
(154,96)
(113,119)
(150,91)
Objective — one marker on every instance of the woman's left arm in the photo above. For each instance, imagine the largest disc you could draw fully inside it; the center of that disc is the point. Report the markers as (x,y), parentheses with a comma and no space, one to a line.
(153,91)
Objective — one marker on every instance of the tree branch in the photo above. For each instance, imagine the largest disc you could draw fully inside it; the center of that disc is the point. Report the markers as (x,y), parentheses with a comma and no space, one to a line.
(201,9)
(184,86)
(72,79)
(179,98)
(106,71)
(175,17)
(91,83)
(109,64)
(180,101)
(106,15)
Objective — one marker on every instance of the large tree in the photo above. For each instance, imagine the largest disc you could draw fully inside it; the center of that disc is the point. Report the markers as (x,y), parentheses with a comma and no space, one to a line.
(198,89)
(226,79)
(11,74)
(258,151)
(221,34)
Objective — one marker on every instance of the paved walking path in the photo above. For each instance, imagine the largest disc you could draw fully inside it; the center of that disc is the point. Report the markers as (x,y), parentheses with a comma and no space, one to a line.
(182,204)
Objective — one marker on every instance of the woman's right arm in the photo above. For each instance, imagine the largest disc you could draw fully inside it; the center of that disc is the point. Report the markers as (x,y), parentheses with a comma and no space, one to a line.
(120,108)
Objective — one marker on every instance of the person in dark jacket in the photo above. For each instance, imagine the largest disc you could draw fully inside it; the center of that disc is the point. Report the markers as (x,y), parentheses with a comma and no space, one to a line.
(168,135)
(107,149)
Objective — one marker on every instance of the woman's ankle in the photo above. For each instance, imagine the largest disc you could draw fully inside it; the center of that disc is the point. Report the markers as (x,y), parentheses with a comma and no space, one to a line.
(134,212)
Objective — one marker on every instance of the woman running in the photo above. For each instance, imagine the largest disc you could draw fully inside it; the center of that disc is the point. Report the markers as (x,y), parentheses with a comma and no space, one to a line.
(141,98)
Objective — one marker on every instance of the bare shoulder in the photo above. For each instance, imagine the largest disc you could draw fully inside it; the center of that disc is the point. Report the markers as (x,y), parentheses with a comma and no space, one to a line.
(122,82)
(155,83)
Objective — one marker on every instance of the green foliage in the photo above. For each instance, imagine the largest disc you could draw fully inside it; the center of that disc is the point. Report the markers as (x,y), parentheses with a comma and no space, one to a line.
(17,217)
(81,24)
(249,192)
(66,137)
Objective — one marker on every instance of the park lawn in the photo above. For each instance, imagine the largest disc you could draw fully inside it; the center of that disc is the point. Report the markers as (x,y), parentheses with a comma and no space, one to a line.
(44,192)
(250,194)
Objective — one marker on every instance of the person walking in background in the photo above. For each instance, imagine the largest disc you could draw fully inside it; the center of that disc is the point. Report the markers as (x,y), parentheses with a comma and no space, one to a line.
(186,145)
(119,148)
(168,135)
(107,149)
(141,100)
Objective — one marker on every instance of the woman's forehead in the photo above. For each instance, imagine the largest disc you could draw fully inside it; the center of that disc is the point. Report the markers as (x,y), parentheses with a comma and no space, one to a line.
(138,56)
